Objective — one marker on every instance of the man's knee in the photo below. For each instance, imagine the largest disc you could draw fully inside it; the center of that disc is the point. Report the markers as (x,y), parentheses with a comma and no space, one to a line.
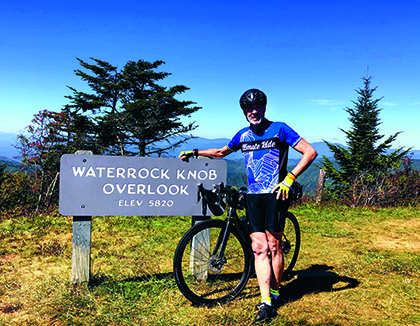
(260,249)
(274,242)
(259,243)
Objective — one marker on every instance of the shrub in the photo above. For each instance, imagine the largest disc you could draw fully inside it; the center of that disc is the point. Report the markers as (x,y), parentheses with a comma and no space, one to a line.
(398,187)
(19,193)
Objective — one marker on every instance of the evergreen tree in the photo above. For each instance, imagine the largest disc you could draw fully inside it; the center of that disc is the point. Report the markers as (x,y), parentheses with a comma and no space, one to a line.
(128,112)
(363,155)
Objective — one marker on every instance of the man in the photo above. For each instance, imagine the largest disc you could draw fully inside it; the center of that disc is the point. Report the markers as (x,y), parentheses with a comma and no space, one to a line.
(265,145)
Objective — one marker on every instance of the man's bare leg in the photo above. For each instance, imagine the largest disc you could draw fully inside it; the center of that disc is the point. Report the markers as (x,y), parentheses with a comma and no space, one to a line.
(277,260)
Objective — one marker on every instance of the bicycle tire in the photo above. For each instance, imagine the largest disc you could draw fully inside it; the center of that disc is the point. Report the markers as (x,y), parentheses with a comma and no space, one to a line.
(291,243)
(201,281)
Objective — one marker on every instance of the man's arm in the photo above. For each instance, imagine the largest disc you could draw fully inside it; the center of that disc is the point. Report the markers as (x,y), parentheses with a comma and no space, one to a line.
(215,152)
(211,152)
(308,156)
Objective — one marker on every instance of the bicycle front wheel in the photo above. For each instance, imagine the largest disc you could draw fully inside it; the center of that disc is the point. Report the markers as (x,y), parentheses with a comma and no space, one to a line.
(291,243)
(207,271)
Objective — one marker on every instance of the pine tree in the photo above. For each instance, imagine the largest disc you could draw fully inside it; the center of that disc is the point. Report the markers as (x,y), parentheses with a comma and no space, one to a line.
(128,112)
(363,155)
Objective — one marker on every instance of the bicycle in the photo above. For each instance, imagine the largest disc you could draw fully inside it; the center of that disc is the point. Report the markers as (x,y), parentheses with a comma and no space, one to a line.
(214,260)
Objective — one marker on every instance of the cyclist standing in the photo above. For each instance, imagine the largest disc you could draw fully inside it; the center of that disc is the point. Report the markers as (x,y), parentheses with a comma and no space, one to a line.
(265,146)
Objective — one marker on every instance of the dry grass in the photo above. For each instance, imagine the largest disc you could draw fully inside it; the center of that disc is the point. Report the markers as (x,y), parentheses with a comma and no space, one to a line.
(357,267)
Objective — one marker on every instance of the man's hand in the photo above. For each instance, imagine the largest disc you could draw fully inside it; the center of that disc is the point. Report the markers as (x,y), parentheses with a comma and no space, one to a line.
(284,186)
(185,155)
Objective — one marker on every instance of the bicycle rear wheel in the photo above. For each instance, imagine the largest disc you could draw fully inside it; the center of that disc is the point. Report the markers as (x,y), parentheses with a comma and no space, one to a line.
(205,274)
(291,243)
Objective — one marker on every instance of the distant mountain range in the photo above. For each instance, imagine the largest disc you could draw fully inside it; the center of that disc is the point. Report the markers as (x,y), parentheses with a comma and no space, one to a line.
(203,143)
(7,140)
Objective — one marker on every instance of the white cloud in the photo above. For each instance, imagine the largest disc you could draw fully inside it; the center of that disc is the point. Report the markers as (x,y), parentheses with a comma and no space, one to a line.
(388,104)
(327,102)
(331,105)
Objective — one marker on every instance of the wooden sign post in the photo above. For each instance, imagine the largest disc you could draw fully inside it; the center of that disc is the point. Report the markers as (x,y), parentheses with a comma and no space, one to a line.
(80,265)
(82,234)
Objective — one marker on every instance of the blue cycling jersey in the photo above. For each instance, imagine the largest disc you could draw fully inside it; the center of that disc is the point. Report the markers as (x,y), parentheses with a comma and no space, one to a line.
(265,152)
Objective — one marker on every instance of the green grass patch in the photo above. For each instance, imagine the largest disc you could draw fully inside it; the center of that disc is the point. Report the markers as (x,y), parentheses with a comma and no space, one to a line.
(357,266)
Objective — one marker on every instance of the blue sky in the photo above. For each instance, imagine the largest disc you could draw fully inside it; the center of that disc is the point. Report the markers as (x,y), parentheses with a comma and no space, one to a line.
(307,56)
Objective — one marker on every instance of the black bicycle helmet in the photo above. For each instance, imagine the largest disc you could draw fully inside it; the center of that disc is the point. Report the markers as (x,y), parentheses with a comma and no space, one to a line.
(252,96)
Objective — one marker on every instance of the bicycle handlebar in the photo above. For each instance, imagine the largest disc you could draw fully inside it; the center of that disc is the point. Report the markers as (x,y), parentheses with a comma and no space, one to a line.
(234,197)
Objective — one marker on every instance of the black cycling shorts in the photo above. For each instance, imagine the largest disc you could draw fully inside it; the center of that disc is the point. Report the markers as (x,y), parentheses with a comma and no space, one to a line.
(266,213)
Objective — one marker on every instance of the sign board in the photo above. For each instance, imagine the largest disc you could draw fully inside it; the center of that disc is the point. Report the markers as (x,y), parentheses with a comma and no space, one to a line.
(121,185)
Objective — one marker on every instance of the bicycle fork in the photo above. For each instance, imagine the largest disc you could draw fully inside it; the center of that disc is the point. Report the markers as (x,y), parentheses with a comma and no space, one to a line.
(218,258)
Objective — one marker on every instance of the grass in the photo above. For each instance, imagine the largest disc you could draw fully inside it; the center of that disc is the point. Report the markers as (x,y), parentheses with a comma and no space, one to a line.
(357,267)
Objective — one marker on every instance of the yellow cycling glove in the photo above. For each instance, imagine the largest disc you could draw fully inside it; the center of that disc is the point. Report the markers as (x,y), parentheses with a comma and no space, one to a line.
(185,155)
(285,185)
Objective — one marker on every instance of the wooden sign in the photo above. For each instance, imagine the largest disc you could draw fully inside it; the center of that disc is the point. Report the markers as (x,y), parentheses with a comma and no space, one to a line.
(121,185)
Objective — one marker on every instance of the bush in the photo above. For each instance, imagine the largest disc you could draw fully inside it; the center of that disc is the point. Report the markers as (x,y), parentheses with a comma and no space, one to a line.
(19,193)
(18,189)
(400,187)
